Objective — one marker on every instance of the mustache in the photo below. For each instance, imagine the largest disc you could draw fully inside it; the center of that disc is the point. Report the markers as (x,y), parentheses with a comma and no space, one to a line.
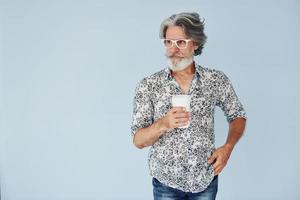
(173,56)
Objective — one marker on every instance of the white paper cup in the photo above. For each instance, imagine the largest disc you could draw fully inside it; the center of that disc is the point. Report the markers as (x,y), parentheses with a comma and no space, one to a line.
(182,101)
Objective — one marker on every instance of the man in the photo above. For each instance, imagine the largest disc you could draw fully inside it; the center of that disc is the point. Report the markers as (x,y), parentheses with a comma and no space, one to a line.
(184,162)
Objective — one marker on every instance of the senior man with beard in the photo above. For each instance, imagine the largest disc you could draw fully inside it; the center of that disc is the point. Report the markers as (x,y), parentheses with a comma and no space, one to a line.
(184,163)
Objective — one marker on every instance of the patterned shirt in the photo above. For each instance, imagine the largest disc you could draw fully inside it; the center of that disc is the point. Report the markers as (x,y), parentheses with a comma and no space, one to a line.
(179,158)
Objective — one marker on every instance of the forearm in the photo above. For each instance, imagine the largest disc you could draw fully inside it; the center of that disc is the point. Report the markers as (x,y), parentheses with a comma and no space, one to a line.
(236,129)
(147,136)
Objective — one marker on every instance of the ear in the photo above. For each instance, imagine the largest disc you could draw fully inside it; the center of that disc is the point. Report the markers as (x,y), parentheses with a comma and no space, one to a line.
(195,46)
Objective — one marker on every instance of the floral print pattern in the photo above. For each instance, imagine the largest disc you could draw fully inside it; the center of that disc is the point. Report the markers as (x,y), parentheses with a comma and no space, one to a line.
(179,158)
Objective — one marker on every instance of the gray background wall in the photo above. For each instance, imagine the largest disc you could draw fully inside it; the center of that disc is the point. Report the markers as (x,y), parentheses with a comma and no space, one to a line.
(68,73)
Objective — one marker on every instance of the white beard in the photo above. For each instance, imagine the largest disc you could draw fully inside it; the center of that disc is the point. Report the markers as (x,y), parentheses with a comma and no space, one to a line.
(180,65)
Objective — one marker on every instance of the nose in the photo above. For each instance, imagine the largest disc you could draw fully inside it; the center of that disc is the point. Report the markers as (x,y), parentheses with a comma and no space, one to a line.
(173,49)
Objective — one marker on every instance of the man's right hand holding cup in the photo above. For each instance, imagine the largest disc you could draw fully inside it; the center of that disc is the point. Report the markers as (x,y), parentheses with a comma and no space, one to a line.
(175,118)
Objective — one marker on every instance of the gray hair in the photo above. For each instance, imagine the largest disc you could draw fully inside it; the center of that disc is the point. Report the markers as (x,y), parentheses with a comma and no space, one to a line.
(192,25)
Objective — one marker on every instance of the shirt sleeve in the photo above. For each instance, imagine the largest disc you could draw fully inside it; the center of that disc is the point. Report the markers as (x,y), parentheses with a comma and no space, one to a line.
(227,99)
(143,110)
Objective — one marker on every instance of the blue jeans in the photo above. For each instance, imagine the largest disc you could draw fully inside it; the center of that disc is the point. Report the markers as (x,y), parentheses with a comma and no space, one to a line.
(163,192)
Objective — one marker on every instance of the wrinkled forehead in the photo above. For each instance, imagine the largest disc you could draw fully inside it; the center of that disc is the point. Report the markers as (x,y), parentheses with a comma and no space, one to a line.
(175,33)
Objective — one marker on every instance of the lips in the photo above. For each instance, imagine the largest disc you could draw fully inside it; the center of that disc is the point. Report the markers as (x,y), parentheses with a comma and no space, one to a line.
(180,57)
